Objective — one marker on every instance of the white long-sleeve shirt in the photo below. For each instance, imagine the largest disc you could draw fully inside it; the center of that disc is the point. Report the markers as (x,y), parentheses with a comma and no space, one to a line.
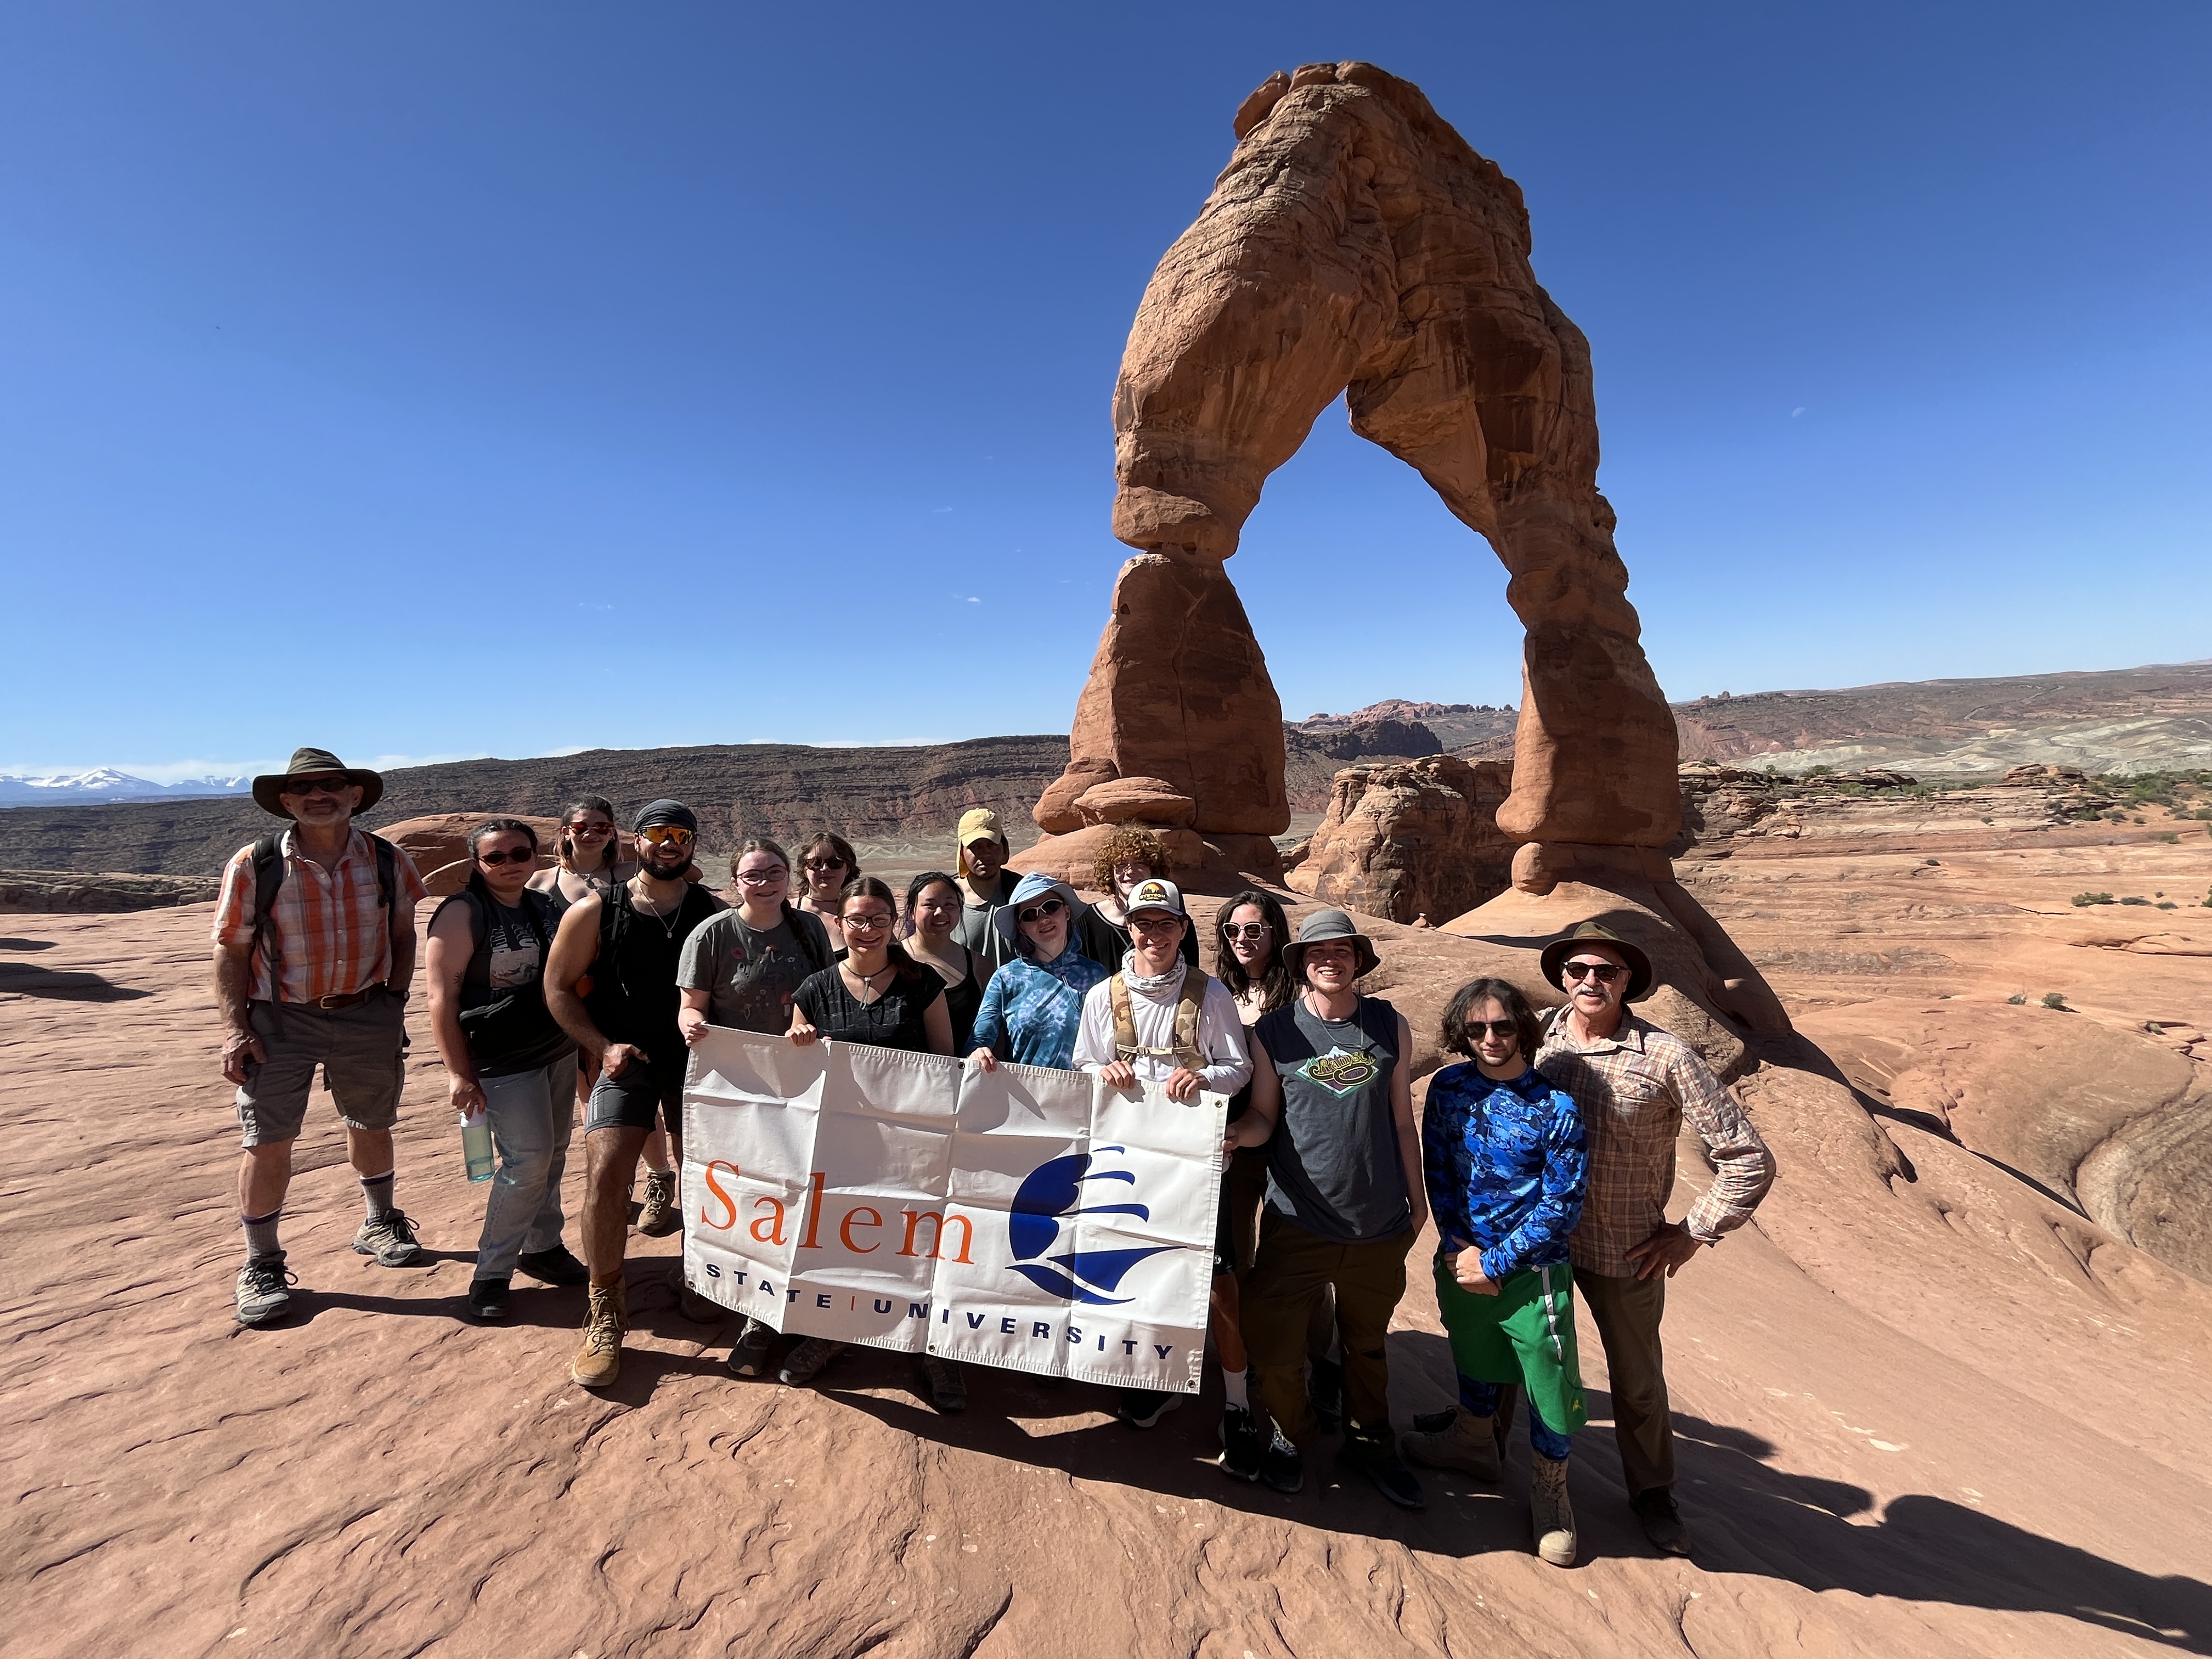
(1221,1037)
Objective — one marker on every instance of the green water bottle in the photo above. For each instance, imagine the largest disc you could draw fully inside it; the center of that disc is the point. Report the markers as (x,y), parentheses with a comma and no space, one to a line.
(475,1144)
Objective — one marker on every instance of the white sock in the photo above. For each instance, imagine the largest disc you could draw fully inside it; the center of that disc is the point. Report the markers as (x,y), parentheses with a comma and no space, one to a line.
(1233,1386)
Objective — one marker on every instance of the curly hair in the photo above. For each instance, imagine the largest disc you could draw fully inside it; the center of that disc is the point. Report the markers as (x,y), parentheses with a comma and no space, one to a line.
(1472,995)
(1128,841)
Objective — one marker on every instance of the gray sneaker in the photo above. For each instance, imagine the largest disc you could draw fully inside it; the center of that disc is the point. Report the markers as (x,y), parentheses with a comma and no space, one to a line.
(262,1298)
(390,1238)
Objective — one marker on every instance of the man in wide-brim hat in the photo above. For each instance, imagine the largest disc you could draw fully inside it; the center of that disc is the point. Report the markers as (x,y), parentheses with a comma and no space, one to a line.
(1635,1084)
(315,949)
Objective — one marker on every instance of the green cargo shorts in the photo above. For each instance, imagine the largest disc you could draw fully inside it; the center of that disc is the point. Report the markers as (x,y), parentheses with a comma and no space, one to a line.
(1524,1334)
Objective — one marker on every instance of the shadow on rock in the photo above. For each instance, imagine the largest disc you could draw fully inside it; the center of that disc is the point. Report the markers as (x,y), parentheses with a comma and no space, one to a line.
(24,980)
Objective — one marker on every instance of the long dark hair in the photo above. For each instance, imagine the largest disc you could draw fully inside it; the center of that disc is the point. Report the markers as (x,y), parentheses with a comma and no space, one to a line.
(564,849)
(837,844)
(875,888)
(915,890)
(1471,996)
(1276,987)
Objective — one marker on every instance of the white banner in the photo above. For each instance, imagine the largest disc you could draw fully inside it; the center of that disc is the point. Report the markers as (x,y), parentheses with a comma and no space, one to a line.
(1027,1218)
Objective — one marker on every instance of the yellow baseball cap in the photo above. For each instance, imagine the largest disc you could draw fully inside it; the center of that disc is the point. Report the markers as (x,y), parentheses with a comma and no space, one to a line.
(977,823)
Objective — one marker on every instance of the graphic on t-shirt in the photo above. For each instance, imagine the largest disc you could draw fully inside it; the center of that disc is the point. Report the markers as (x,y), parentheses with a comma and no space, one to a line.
(1339,1072)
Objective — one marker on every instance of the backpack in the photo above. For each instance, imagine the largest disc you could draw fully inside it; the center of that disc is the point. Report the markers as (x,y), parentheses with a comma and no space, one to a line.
(511,1026)
(269,877)
(1189,1001)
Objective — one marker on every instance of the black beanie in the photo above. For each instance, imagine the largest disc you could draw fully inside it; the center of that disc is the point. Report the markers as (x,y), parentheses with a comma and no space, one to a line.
(665,812)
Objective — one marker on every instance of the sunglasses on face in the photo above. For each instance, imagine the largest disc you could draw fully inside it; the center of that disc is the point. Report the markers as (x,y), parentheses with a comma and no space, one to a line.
(520,855)
(304,787)
(822,864)
(1253,931)
(866,923)
(1502,1030)
(1604,972)
(1038,912)
(592,831)
(762,877)
(668,835)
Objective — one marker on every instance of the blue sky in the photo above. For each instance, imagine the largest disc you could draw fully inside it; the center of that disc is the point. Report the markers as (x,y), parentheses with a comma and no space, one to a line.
(419,380)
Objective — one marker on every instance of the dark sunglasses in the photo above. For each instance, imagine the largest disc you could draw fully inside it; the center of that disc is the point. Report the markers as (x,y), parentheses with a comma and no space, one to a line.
(494,859)
(304,787)
(822,864)
(1254,931)
(1500,1028)
(1051,907)
(1604,972)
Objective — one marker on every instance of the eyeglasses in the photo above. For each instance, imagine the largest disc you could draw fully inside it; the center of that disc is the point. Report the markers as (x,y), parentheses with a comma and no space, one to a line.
(303,787)
(1038,912)
(1253,931)
(822,864)
(763,878)
(1499,1029)
(1604,972)
(520,855)
(868,924)
(1155,924)
(673,835)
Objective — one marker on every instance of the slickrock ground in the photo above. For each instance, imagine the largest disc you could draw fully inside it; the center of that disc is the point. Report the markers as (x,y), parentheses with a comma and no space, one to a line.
(1926,1406)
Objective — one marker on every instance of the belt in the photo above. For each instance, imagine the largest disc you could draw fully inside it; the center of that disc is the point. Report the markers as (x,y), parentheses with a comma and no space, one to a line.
(352,999)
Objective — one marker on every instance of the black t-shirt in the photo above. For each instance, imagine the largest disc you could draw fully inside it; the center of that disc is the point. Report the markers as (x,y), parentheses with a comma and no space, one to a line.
(893,1020)
(508,965)
(633,998)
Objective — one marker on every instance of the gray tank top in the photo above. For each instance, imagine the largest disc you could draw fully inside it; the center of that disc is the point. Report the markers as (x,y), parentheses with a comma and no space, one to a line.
(1332,1168)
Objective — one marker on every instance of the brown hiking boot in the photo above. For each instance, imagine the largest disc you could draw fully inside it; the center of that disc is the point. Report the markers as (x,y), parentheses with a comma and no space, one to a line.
(598,1362)
(1550,1518)
(660,1217)
(1464,1443)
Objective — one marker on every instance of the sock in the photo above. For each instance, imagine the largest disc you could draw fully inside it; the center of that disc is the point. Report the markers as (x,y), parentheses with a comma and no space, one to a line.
(1545,1440)
(1234,1386)
(1480,1399)
(376,1192)
(261,1233)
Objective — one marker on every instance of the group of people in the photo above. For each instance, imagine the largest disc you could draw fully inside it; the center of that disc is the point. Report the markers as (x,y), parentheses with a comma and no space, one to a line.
(1545,1155)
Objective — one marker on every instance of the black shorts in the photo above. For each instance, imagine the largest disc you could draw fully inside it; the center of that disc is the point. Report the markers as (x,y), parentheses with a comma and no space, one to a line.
(1237,1220)
(635,1100)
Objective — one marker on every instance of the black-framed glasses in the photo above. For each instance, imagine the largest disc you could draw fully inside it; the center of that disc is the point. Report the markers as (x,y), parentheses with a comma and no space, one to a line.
(1604,972)
(520,855)
(1155,923)
(1039,911)
(822,864)
(1252,931)
(1499,1029)
(304,787)
(670,834)
(865,924)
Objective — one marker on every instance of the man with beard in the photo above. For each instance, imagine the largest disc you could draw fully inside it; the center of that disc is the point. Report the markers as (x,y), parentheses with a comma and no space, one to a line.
(611,984)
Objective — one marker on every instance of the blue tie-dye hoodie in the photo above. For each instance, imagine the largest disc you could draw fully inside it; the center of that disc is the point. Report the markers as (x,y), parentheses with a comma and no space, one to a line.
(1032,1009)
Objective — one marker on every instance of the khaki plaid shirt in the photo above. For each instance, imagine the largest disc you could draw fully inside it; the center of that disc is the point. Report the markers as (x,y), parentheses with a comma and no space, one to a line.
(331,933)
(1635,1087)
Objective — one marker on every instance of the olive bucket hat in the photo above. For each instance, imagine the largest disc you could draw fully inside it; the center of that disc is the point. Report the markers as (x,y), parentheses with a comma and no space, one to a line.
(314,764)
(1556,952)
(1321,927)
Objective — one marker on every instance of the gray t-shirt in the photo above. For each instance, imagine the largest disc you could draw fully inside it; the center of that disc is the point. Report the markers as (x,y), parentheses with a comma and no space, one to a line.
(1332,1167)
(749,975)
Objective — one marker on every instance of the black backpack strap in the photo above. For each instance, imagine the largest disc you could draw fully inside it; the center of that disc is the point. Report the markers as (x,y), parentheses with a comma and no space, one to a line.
(268,878)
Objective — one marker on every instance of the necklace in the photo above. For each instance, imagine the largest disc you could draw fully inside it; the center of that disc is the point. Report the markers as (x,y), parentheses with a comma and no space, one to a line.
(667,922)
(867,981)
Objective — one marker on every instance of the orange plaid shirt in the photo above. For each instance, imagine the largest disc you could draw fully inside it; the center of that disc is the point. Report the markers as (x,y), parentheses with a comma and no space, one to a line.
(331,937)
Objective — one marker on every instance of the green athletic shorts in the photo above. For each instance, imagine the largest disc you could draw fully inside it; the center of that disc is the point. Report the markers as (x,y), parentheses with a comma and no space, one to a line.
(1524,1334)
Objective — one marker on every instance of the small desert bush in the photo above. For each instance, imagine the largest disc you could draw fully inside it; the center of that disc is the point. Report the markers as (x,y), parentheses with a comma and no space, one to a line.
(2017,1000)
(2052,999)
(2093,898)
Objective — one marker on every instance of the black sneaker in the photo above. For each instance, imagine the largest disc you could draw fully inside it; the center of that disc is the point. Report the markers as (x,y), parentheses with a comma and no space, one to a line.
(488,1299)
(1281,1468)
(1325,1395)
(262,1296)
(1376,1457)
(1140,1408)
(553,1266)
(390,1238)
(748,1353)
(1242,1446)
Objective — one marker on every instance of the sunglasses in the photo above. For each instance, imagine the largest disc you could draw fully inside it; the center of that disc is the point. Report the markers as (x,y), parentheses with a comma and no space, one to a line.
(1038,912)
(593,830)
(822,864)
(493,860)
(1604,972)
(1253,931)
(673,835)
(866,923)
(1499,1029)
(303,787)
(763,878)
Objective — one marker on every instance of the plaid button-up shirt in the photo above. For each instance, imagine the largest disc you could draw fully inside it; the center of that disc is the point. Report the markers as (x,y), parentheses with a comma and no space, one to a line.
(332,934)
(1635,1087)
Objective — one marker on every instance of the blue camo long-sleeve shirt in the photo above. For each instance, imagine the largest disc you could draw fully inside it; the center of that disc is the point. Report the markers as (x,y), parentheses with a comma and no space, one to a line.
(1032,1010)
(1507,1166)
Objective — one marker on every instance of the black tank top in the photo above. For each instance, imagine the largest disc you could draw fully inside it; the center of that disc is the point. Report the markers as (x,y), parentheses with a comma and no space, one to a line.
(634,997)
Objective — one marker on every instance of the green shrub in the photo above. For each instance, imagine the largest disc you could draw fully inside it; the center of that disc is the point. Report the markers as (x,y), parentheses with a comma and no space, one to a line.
(2052,999)
(2170,838)
(2135,898)
(2093,898)
(2017,1000)
(1818,771)
(2167,904)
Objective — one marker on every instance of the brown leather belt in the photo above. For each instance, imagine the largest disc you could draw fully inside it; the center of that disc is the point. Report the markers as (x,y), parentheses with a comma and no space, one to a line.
(352,999)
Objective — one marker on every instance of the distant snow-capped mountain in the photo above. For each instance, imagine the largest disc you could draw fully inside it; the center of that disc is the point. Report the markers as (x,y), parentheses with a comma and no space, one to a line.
(105,783)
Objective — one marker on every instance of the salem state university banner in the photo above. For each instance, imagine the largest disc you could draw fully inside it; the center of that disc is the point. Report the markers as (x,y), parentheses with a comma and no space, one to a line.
(1032,1219)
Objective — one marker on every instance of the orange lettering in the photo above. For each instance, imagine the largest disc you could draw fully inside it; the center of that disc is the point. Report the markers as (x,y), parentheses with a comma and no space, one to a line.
(715,1187)
(813,1210)
(913,1220)
(774,1223)
(845,1228)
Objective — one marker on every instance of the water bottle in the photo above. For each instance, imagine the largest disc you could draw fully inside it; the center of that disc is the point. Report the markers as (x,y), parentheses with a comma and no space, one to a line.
(475,1144)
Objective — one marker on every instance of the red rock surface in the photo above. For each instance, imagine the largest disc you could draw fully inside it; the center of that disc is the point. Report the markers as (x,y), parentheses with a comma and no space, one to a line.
(1926,1407)
(1412,840)
(440,845)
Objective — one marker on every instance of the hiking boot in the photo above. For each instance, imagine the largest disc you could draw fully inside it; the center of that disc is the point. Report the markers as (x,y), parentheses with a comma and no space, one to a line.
(1663,1522)
(390,1238)
(748,1353)
(1374,1455)
(1140,1408)
(262,1298)
(1325,1395)
(553,1266)
(1455,1439)
(598,1362)
(1281,1468)
(488,1299)
(1550,1518)
(803,1362)
(946,1388)
(1242,1446)
(660,1217)
(699,1310)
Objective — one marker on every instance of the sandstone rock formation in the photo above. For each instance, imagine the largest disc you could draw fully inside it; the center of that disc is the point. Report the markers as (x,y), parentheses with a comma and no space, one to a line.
(1356,244)
(68,890)
(1411,841)
(439,846)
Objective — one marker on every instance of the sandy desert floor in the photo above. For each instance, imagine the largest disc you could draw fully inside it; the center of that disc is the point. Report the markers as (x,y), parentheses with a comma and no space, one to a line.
(1931,1402)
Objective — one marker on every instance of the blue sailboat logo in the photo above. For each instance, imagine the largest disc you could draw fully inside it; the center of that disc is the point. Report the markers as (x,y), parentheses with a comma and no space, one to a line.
(1053,1192)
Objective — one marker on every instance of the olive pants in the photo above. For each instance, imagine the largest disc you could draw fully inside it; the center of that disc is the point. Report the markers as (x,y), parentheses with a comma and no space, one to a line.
(1292,1272)
(1627,1312)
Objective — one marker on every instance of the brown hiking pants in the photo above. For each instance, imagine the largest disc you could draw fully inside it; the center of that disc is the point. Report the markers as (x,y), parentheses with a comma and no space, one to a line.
(1627,1312)
(1292,1271)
